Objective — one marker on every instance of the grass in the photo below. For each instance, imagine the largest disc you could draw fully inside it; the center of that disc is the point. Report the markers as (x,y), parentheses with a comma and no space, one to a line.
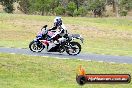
(21,71)
(102,35)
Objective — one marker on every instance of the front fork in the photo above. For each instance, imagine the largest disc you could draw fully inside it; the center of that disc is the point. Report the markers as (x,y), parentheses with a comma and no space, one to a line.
(38,43)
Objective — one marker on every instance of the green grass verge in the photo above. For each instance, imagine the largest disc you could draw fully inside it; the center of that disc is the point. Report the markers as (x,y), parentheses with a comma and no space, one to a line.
(21,71)
(102,35)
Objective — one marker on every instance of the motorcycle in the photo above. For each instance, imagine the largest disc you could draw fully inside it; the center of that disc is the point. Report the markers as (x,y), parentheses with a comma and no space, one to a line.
(66,43)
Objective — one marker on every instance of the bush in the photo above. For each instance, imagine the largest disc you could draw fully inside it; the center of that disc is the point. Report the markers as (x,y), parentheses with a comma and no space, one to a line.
(8,5)
(125,6)
(123,13)
(97,7)
(70,8)
(81,12)
(60,10)
(9,9)
(76,13)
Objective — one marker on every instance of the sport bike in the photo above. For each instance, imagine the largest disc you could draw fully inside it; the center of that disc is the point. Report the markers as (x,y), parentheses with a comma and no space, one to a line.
(58,44)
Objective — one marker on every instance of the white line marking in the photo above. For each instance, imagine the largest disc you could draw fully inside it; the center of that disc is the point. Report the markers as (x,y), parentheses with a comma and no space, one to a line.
(60,58)
(57,57)
(34,55)
(100,61)
(12,53)
(112,62)
(88,60)
(124,63)
(80,59)
(44,56)
(65,58)
(20,48)
(25,54)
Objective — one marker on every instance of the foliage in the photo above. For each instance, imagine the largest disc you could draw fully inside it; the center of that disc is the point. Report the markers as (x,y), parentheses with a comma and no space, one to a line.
(60,10)
(125,6)
(24,6)
(110,2)
(8,5)
(43,6)
(32,6)
(76,13)
(123,12)
(81,11)
(70,8)
(97,6)
(54,4)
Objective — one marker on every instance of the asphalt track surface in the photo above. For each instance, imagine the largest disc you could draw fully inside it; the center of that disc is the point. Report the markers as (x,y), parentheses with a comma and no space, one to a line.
(81,56)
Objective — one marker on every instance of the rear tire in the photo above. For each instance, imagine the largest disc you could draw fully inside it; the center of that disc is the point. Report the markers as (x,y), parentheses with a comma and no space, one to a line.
(73,44)
(34,47)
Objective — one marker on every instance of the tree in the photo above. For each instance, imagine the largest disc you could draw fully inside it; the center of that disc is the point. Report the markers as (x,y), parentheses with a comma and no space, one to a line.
(125,6)
(60,10)
(53,5)
(24,6)
(70,8)
(79,3)
(82,11)
(43,6)
(117,8)
(113,3)
(97,6)
(8,5)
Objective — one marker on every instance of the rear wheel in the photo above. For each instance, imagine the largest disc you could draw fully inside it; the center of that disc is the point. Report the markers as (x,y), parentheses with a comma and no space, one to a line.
(36,47)
(74,49)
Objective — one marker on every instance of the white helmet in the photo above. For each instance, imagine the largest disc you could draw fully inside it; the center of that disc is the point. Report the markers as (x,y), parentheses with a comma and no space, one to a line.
(57,21)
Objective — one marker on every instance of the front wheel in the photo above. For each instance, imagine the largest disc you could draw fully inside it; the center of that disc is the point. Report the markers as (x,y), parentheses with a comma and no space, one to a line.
(74,48)
(36,47)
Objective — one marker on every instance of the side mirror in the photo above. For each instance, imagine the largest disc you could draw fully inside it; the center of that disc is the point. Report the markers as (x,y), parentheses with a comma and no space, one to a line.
(45,26)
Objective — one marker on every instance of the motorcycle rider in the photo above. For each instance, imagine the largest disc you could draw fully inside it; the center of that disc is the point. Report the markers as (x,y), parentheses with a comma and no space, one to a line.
(58,24)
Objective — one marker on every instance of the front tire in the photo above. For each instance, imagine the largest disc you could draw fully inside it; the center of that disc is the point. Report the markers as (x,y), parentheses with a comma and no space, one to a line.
(33,46)
(75,48)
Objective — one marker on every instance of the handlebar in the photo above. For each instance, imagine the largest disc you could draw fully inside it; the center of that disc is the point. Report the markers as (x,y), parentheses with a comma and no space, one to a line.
(45,26)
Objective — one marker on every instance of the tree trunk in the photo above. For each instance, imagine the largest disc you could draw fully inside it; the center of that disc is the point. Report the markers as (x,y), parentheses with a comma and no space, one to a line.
(77,5)
(114,6)
(42,11)
(117,8)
